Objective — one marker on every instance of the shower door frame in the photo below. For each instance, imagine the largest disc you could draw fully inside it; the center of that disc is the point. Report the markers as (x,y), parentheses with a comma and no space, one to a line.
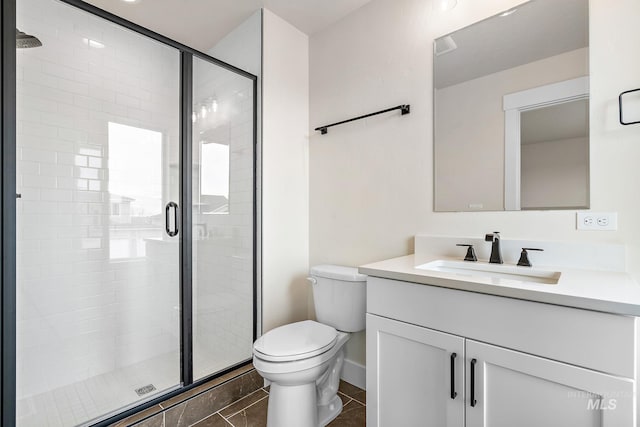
(8,187)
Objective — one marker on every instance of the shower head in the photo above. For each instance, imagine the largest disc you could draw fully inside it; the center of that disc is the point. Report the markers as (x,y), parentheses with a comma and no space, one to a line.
(25,40)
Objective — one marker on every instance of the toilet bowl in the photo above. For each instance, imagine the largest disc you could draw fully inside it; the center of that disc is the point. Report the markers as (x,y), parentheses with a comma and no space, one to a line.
(303,360)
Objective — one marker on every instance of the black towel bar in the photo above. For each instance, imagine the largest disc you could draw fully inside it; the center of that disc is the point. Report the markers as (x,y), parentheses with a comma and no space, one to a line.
(405,109)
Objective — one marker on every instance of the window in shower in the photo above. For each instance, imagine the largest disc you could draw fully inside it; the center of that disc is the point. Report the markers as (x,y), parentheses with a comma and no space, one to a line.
(214,179)
(135,189)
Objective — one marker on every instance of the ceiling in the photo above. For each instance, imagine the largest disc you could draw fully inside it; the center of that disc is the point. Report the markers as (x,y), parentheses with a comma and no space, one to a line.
(536,30)
(202,23)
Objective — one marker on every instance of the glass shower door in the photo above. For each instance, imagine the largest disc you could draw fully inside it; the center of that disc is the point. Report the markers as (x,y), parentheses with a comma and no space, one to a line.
(98,280)
(223,218)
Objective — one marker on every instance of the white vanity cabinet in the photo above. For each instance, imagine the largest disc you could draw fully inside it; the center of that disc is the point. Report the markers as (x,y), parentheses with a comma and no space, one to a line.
(533,364)
(413,367)
(512,388)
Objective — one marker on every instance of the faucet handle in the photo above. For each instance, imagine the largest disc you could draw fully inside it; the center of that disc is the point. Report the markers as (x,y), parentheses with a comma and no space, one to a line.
(471,253)
(524,256)
(491,236)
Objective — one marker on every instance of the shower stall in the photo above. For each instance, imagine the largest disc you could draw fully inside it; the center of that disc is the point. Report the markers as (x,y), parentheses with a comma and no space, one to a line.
(135,216)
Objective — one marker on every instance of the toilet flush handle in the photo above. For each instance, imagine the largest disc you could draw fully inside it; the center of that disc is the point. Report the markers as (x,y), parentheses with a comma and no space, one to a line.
(312,280)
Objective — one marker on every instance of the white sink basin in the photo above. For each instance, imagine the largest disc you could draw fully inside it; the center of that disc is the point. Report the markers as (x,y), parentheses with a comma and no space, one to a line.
(495,271)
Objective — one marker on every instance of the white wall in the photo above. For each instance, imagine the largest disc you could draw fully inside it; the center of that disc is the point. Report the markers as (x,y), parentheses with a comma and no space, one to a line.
(242,47)
(371,182)
(470,130)
(285,179)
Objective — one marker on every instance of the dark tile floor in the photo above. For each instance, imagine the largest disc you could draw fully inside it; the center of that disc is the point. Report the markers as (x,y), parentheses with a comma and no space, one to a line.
(251,411)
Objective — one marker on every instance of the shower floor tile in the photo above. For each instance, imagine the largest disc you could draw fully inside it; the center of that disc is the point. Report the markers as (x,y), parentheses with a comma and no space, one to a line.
(78,403)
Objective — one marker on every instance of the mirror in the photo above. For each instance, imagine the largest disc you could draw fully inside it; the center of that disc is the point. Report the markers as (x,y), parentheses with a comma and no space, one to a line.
(511,111)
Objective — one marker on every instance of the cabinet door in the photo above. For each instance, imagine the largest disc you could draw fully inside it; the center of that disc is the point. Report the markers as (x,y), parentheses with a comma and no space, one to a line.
(415,376)
(517,389)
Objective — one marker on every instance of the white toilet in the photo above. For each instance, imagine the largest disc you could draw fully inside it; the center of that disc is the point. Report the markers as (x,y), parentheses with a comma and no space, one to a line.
(303,360)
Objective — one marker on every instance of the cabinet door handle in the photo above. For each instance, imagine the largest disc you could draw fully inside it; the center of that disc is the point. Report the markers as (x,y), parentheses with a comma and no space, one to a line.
(453,375)
(473,382)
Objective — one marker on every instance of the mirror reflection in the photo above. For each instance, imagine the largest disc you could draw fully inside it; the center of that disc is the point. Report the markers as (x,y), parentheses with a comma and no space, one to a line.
(511,127)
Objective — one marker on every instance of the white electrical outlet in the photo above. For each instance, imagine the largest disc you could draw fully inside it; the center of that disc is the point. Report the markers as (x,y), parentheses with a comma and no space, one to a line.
(600,221)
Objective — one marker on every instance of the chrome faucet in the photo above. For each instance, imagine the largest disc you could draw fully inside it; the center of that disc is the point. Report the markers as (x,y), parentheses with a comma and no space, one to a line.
(496,255)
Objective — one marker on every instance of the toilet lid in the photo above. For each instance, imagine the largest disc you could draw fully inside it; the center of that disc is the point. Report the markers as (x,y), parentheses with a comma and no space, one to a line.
(295,341)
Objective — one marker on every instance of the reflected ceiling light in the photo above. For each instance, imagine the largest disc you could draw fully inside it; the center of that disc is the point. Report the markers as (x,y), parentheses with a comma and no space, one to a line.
(93,43)
(131,1)
(203,111)
(444,45)
(508,12)
(445,5)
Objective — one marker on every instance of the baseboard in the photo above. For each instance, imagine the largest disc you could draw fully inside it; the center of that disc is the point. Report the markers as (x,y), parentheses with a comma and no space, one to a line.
(354,373)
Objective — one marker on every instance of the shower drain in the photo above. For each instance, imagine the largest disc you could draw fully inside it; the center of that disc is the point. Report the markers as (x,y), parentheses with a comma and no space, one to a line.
(146,389)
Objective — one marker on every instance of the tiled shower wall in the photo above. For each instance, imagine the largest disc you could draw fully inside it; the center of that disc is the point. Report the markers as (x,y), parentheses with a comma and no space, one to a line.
(81,313)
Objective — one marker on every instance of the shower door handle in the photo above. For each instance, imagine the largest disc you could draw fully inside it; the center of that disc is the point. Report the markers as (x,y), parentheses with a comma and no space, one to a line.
(171,231)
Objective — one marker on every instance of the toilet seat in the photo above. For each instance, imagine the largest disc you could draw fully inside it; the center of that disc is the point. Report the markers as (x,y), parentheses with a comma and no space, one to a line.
(295,341)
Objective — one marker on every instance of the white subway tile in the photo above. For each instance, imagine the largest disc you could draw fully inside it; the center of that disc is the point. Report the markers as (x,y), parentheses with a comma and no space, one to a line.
(71,159)
(88,220)
(101,138)
(102,94)
(59,145)
(38,181)
(78,113)
(73,232)
(97,185)
(97,208)
(36,155)
(88,196)
(88,173)
(95,162)
(56,195)
(90,150)
(36,103)
(138,114)
(69,183)
(38,129)
(87,102)
(30,141)
(113,109)
(40,78)
(74,87)
(90,243)
(29,194)
(75,135)
(59,170)
(56,120)
(57,70)
(127,100)
(28,168)
(45,92)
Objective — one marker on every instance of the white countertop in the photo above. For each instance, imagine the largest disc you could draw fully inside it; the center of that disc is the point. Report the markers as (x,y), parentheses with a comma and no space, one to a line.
(606,291)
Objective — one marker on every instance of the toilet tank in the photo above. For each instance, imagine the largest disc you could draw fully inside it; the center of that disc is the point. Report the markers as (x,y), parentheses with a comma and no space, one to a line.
(339,296)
